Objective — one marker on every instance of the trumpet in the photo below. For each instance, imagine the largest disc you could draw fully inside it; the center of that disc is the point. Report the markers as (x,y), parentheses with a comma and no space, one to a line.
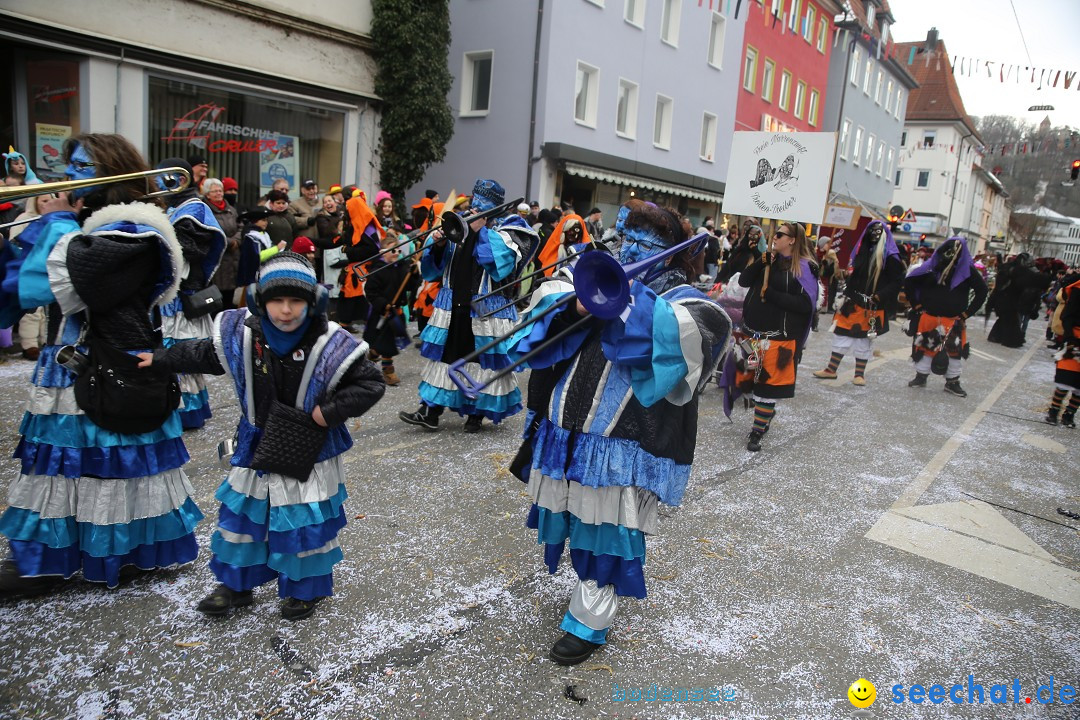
(454,227)
(602,286)
(175,179)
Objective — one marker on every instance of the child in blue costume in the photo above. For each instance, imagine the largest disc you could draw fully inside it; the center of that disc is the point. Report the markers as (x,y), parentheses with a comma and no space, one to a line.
(272,526)
(203,243)
(612,423)
(86,498)
(488,257)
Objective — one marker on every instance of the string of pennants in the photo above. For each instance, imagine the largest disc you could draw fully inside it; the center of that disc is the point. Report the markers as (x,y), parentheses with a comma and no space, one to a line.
(961,65)
(1009,148)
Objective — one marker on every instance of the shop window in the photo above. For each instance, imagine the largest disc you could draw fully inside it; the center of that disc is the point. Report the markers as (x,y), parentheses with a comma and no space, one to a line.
(52,101)
(251,138)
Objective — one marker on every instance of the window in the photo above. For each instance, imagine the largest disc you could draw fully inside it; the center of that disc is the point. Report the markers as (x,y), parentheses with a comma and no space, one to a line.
(708,137)
(811,112)
(856,56)
(800,97)
(716,40)
(793,18)
(777,8)
(845,131)
(626,111)
(899,102)
(869,156)
(785,89)
(923,180)
(899,177)
(808,24)
(903,139)
(888,97)
(879,86)
(750,69)
(476,83)
(856,149)
(822,32)
(879,158)
(870,11)
(928,138)
(662,122)
(767,74)
(634,12)
(586,91)
(669,22)
(867,74)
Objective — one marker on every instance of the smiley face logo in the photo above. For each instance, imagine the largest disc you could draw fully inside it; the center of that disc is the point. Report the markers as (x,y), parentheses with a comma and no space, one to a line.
(862,693)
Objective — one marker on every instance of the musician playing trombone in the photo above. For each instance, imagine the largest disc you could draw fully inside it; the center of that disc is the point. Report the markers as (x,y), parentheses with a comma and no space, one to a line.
(612,416)
(486,257)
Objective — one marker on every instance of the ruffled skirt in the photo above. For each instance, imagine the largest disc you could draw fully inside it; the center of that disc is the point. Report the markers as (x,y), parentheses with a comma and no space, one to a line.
(176,327)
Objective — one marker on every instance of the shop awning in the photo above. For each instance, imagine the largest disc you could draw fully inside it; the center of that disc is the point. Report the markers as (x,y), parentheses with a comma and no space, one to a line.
(617,178)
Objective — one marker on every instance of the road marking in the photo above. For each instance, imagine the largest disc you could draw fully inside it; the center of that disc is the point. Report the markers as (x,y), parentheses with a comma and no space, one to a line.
(929,473)
(985,355)
(1044,443)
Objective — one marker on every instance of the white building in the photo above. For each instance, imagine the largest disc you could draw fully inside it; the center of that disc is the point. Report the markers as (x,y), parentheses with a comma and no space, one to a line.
(257,89)
(1041,232)
(990,211)
(939,152)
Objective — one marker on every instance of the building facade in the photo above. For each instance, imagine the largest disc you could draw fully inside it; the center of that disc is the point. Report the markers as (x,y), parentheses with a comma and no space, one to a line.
(867,96)
(592,102)
(785,65)
(295,99)
(939,150)
(1042,232)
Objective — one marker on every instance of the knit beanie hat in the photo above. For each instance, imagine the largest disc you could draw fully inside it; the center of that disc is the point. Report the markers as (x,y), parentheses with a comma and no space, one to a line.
(287,274)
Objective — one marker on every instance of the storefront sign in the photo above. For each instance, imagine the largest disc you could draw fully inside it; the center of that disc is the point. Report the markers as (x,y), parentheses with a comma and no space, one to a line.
(196,125)
(842,216)
(779,175)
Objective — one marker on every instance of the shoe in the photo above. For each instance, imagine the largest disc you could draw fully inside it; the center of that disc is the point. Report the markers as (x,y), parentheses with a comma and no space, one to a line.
(825,374)
(571,650)
(919,381)
(472,425)
(858,380)
(753,440)
(421,418)
(391,377)
(293,609)
(14,586)
(130,573)
(1052,416)
(373,356)
(1068,421)
(222,600)
(31,353)
(953,388)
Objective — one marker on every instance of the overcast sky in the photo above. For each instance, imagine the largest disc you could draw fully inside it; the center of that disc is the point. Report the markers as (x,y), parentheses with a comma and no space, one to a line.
(988,30)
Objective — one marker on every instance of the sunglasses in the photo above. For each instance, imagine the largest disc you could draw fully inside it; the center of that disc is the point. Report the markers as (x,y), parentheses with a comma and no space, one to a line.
(781,233)
(82,165)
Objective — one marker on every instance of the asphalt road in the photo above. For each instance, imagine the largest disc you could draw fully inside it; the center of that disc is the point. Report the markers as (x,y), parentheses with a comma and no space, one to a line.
(902,536)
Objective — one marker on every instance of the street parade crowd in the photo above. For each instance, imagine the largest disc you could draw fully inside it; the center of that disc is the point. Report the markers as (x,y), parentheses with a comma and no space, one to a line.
(126,293)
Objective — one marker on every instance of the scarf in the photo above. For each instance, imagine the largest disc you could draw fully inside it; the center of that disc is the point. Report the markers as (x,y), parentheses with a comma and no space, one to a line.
(283,343)
(218,206)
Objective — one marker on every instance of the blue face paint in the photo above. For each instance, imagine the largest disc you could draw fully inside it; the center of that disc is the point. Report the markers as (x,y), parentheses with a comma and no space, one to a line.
(80,167)
(635,249)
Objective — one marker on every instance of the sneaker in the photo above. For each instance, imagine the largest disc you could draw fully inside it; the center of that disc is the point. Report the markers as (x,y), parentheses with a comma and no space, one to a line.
(753,440)
(294,609)
(391,377)
(1068,421)
(919,381)
(825,374)
(1052,416)
(223,599)
(472,425)
(14,586)
(953,388)
(421,418)
(571,650)
(858,380)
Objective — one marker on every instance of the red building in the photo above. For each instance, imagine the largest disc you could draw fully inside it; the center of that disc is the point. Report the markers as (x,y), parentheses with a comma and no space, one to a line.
(785,65)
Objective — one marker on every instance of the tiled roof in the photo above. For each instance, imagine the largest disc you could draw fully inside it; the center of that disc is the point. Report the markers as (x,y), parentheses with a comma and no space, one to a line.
(937,97)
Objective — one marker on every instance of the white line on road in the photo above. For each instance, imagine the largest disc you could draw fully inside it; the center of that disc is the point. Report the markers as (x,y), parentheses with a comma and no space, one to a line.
(929,473)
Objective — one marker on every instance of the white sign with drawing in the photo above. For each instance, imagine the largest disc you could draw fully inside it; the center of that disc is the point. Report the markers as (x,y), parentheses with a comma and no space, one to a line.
(780,175)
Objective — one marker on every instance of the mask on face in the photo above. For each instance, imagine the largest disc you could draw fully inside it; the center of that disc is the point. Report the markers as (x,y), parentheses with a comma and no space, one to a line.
(80,167)
(873,235)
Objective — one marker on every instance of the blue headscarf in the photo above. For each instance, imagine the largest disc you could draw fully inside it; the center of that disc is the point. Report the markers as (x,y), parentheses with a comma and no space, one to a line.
(12,154)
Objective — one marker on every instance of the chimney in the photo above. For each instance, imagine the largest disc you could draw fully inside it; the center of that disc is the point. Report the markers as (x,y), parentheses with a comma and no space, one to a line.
(931,40)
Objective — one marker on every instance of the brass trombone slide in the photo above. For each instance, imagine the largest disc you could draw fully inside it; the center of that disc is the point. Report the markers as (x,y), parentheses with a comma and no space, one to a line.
(176,179)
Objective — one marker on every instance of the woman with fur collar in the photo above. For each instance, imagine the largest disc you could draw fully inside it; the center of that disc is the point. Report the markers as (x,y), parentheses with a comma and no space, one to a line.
(108,504)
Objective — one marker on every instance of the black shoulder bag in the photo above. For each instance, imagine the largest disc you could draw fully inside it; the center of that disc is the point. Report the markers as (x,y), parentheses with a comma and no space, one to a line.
(206,301)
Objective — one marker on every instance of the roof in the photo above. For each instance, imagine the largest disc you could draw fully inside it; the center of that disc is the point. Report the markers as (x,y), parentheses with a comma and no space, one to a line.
(937,98)
(1044,212)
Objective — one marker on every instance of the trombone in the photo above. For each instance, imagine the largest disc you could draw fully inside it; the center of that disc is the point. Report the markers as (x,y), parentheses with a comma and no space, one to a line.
(175,179)
(600,283)
(454,227)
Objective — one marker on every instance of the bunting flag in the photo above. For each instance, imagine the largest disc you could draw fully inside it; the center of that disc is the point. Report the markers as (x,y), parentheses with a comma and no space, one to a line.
(1041,78)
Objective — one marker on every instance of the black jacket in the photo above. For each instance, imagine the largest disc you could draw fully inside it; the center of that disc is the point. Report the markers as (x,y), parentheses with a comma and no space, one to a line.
(785,309)
(939,300)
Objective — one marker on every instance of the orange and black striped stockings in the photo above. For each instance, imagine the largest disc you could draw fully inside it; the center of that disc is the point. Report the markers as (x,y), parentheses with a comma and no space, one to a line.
(1059,398)
(860,367)
(763,415)
(834,362)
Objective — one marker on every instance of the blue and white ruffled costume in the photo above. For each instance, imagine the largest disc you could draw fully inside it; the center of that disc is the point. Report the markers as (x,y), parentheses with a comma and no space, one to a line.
(85,497)
(271,526)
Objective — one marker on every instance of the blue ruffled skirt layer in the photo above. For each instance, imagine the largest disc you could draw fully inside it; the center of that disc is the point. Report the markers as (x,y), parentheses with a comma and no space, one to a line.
(297,545)
(94,500)
(196,405)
